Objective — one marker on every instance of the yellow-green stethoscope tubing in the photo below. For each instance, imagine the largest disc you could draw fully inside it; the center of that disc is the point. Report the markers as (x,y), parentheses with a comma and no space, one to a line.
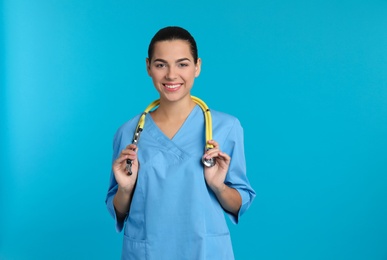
(208,128)
(199,102)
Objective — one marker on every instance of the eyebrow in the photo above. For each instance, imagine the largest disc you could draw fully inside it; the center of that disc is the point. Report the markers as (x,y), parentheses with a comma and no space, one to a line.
(179,60)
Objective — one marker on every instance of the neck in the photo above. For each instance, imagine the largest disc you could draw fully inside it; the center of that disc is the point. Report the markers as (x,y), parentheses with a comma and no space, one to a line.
(175,110)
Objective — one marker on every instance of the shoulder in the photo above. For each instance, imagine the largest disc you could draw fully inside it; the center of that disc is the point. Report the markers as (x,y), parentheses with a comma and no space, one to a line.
(225,127)
(224,120)
(127,127)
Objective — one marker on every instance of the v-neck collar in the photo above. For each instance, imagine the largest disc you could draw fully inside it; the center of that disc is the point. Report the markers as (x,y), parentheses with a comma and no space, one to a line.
(159,135)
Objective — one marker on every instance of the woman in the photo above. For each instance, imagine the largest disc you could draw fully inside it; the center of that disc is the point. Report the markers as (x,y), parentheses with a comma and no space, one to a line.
(171,206)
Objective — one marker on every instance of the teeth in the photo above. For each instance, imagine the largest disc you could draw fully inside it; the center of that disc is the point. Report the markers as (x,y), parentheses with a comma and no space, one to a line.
(172,86)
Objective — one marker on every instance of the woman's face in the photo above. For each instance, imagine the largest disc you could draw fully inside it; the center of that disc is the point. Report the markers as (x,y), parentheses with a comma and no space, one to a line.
(173,69)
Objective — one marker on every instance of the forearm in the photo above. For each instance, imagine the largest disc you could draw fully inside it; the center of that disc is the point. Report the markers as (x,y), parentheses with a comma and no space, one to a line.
(121,202)
(229,198)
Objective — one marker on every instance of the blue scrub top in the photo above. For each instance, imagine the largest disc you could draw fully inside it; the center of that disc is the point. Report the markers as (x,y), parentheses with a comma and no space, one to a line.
(174,214)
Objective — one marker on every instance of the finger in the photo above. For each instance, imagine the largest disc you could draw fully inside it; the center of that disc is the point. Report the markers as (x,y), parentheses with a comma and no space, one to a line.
(128,152)
(121,159)
(224,156)
(218,155)
(131,147)
(214,143)
(131,155)
(211,153)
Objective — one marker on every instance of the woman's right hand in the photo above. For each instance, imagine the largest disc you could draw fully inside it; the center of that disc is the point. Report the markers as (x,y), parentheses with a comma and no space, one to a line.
(125,181)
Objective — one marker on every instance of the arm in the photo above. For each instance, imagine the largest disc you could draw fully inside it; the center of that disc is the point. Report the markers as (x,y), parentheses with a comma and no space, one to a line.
(126,183)
(233,175)
(229,198)
(121,202)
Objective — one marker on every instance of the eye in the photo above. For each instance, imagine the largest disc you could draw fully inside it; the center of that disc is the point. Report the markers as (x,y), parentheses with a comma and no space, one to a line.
(183,64)
(160,65)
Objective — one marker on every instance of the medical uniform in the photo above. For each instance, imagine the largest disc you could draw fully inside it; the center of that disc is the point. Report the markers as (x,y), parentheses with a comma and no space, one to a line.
(174,215)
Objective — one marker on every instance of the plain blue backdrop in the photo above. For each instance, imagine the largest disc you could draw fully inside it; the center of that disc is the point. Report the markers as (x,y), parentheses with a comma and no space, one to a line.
(307,79)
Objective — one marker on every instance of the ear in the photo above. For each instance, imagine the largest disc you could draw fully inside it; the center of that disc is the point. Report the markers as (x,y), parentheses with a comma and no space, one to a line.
(148,66)
(198,67)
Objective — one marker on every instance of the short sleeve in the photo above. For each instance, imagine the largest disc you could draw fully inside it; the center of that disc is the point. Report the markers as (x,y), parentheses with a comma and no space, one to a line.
(113,186)
(237,177)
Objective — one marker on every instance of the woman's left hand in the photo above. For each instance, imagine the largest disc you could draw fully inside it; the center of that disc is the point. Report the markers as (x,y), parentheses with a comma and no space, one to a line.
(216,175)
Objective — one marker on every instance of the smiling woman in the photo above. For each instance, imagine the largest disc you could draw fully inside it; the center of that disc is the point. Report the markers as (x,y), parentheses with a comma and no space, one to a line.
(306,79)
(170,205)
(173,69)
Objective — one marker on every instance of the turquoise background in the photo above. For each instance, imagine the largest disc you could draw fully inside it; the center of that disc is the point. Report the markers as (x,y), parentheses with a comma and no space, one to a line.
(307,79)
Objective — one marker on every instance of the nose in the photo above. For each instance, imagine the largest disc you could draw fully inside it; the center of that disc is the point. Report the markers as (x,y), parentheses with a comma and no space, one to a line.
(171,73)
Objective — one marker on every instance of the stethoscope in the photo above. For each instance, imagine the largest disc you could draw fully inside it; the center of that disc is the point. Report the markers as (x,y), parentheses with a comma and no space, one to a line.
(208,126)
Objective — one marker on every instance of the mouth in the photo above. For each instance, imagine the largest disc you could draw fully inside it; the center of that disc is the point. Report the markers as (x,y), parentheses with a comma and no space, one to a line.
(172,87)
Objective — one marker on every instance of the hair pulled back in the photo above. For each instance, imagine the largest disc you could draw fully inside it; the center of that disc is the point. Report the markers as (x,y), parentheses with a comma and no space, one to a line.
(173,33)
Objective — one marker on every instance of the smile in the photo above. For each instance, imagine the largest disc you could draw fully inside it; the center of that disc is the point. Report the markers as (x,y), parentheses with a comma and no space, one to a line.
(172,86)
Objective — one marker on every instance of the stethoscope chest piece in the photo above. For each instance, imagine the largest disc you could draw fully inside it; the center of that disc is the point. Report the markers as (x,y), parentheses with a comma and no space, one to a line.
(208,162)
